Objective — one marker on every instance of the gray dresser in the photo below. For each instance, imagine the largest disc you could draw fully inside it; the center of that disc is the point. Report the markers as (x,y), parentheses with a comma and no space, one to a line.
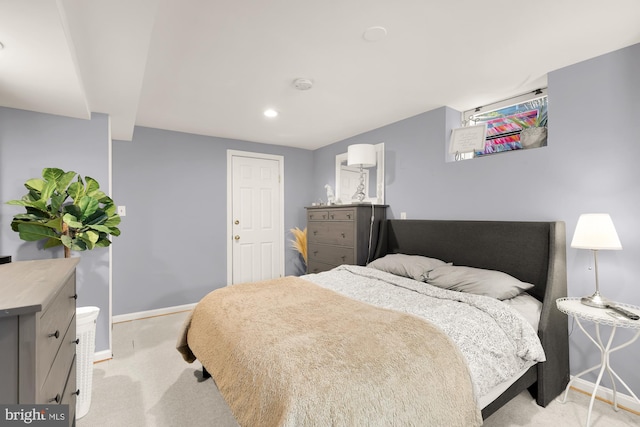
(38,333)
(341,234)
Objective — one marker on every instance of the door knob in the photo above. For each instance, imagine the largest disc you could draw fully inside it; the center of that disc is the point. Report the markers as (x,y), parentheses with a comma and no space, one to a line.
(236,237)
(236,222)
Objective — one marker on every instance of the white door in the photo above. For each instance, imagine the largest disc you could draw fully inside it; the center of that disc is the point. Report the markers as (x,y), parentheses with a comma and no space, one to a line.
(256,217)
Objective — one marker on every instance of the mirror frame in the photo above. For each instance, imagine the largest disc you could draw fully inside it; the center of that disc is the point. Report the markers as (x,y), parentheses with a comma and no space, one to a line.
(379,197)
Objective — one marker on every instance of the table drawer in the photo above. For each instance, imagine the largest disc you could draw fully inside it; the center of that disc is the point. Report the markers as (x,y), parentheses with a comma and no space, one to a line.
(54,385)
(54,324)
(333,233)
(335,255)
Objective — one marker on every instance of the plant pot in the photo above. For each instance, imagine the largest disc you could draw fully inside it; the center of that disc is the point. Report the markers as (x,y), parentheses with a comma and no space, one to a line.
(533,137)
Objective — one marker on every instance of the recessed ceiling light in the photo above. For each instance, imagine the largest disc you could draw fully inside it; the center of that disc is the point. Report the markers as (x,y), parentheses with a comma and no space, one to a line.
(270,112)
(374,34)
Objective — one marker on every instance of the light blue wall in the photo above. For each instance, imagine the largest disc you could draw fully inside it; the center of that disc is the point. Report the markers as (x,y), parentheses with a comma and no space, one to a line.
(30,142)
(173,245)
(590,165)
(176,183)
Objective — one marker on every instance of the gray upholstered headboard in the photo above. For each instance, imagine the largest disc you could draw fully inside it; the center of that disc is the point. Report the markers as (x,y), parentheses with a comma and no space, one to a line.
(534,252)
(525,250)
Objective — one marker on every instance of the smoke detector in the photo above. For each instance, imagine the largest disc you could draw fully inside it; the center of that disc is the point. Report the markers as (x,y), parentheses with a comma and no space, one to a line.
(302,84)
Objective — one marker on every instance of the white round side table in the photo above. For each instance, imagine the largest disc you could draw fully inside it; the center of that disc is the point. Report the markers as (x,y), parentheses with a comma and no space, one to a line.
(580,312)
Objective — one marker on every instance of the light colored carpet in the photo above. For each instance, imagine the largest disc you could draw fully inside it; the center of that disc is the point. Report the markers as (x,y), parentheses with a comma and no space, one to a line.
(148,384)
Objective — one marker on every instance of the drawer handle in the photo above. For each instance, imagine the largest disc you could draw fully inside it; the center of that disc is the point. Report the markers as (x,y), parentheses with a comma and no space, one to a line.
(343,257)
(75,296)
(343,236)
(315,232)
(332,216)
(55,334)
(77,341)
(77,392)
(311,216)
(315,252)
(55,399)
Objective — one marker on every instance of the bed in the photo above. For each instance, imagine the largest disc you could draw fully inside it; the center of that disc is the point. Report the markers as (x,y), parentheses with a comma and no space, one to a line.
(326,349)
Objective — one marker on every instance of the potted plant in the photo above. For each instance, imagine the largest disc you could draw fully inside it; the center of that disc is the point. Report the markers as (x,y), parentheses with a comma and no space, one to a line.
(533,133)
(64,211)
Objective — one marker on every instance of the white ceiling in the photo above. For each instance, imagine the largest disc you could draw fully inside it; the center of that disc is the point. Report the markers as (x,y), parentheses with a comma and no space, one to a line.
(211,67)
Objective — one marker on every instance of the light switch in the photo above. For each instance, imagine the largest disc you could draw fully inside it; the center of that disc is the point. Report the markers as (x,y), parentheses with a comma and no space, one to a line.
(403,215)
(122,210)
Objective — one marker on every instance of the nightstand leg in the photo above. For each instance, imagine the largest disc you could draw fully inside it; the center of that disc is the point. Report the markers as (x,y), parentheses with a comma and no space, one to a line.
(605,353)
(604,363)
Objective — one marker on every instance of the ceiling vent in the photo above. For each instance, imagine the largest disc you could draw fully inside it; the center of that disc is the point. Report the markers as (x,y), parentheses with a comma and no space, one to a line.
(302,84)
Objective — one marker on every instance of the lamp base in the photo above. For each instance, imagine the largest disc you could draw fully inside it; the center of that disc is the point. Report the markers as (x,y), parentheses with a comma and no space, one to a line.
(595,300)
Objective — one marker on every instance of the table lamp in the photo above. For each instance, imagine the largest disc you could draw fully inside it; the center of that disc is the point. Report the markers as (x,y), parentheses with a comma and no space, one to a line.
(364,156)
(595,232)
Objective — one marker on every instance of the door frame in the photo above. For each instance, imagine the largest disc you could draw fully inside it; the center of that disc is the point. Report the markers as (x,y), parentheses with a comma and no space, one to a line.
(280,222)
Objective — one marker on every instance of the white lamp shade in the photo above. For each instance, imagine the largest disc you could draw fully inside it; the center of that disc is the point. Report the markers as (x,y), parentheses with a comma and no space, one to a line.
(595,231)
(361,155)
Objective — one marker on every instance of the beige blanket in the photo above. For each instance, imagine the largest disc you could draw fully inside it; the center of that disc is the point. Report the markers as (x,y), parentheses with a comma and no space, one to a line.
(289,353)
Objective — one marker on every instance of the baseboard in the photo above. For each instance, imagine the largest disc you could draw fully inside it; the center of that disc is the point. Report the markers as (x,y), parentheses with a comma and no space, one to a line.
(625,401)
(101,356)
(152,313)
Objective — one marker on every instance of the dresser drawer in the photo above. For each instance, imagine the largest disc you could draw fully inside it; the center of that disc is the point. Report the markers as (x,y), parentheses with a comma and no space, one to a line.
(331,215)
(318,267)
(54,324)
(335,255)
(56,381)
(342,215)
(316,215)
(70,393)
(333,233)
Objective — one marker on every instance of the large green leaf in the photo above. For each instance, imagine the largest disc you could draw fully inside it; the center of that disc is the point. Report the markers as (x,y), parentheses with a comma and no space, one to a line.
(52,242)
(57,200)
(113,221)
(55,224)
(103,243)
(102,228)
(73,244)
(88,205)
(92,186)
(72,221)
(110,209)
(72,209)
(52,174)
(33,231)
(64,181)
(76,191)
(47,191)
(35,184)
(37,204)
(98,217)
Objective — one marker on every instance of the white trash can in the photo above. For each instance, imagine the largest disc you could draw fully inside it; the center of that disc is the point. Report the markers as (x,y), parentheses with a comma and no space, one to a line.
(86,332)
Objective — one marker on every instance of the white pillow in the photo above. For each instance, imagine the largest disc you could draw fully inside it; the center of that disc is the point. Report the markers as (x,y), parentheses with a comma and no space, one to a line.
(477,281)
(413,266)
(529,307)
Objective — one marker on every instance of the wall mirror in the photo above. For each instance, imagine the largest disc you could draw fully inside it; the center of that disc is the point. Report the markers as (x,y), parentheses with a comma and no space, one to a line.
(348,178)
